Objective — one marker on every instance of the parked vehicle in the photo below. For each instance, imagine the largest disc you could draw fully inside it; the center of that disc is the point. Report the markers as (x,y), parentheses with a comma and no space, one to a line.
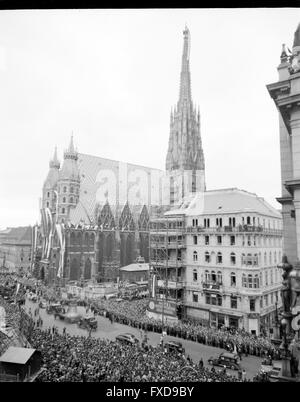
(230,360)
(127,338)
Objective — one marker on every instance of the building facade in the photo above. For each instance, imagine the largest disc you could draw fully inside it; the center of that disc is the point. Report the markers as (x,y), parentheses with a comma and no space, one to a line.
(214,260)
(286,95)
(16,249)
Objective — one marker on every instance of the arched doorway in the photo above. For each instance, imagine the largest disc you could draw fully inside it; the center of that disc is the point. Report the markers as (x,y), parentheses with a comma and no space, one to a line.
(74,270)
(87,269)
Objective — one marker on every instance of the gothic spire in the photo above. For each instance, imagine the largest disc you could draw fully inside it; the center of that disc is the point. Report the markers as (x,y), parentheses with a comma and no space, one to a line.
(71,153)
(54,163)
(185,77)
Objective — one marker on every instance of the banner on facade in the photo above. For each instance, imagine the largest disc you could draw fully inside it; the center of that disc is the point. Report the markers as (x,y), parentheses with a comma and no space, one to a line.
(62,240)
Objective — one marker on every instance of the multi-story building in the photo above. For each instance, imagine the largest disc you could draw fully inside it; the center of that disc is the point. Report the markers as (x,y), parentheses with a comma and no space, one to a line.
(214,259)
(16,249)
(286,95)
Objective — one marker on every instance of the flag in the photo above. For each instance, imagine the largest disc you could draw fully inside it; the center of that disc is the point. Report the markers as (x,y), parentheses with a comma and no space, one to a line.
(153,285)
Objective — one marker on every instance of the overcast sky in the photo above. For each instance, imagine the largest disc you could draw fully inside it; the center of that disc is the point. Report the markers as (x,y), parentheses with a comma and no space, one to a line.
(112,76)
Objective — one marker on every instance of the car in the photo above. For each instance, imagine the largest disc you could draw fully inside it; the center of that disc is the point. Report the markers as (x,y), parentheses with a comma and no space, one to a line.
(174,346)
(230,360)
(127,338)
(55,308)
(88,322)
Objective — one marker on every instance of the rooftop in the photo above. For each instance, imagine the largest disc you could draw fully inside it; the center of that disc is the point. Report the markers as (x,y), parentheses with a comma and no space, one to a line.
(230,200)
(17,355)
(135,267)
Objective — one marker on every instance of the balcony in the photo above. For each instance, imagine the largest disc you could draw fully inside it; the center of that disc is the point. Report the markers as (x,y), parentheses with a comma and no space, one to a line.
(211,286)
(250,261)
(250,291)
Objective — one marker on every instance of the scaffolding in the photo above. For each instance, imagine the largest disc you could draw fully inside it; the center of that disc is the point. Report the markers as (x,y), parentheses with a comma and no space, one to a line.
(167,263)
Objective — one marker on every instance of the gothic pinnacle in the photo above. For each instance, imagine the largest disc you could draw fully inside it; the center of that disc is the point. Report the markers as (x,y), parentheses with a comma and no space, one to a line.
(297,37)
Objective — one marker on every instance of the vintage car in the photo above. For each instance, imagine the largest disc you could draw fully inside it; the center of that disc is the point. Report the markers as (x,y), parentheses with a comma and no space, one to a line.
(272,369)
(127,338)
(229,360)
(55,308)
(174,346)
(88,322)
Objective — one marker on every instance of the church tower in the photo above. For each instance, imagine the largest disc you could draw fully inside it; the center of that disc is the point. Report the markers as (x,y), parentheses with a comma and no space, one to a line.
(286,95)
(50,184)
(68,184)
(185,159)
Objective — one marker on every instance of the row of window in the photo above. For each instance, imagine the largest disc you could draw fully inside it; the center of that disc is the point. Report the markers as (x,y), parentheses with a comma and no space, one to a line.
(248,281)
(265,241)
(217,300)
(249,259)
(231,221)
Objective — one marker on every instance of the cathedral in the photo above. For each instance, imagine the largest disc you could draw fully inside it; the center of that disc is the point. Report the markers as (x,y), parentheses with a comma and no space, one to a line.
(95,212)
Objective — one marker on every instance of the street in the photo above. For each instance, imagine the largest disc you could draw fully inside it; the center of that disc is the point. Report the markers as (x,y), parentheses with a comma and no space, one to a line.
(109,330)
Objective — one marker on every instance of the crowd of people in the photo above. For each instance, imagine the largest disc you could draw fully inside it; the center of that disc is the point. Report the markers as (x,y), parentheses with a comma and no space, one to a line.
(78,358)
(133,313)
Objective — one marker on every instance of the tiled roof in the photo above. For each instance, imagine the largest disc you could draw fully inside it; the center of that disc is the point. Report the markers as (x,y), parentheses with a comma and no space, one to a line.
(94,171)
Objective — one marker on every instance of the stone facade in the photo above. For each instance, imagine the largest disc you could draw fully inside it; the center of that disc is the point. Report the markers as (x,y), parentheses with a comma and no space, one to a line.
(218,263)
(286,95)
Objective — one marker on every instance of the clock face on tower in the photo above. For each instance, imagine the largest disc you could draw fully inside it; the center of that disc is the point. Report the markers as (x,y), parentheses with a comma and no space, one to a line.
(151,305)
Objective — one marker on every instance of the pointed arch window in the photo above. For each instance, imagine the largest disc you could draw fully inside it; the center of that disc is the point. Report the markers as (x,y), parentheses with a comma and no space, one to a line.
(126,221)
